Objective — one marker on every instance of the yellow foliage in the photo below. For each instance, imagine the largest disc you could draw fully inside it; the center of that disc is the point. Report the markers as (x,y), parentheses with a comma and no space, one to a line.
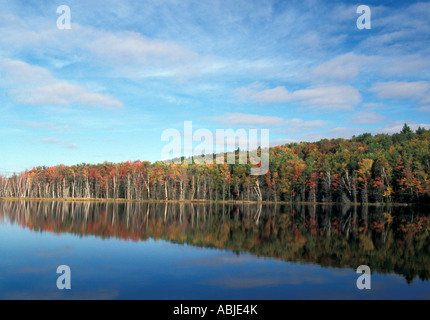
(365,165)
(388,192)
(388,217)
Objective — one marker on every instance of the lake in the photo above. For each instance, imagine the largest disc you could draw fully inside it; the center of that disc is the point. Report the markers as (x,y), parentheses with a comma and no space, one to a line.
(212,251)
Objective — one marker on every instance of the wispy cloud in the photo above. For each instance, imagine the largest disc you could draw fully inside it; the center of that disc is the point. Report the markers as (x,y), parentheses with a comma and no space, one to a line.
(124,53)
(397,126)
(343,67)
(402,29)
(373,105)
(247,119)
(409,65)
(300,125)
(283,125)
(47,125)
(367,117)
(64,144)
(343,97)
(424,109)
(414,90)
(133,54)
(343,132)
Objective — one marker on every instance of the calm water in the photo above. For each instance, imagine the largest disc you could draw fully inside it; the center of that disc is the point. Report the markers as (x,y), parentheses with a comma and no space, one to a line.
(158,251)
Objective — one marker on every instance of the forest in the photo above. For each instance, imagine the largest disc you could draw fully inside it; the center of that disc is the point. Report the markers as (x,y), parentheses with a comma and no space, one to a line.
(367,168)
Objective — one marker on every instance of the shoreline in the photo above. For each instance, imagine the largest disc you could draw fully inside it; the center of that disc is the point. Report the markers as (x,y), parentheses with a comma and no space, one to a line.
(196,201)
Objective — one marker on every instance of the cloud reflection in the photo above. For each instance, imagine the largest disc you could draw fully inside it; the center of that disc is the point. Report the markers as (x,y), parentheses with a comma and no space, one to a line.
(96,294)
(55,252)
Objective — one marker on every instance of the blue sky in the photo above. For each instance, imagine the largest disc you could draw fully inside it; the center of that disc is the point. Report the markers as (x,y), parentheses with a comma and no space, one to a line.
(106,89)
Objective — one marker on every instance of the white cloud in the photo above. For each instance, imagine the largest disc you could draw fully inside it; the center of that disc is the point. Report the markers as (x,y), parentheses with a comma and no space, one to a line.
(367,117)
(125,53)
(300,125)
(397,126)
(411,18)
(283,125)
(343,67)
(373,105)
(343,132)
(21,73)
(34,85)
(47,125)
(407,65)
(343,97)
(131,47)
(247,119)
(50,141)
(400,89)
(401,29)
(71,146)
(414,90)
(65,94)
(280,142)
(259,93)
(64,144)
(307,137)
(332,98)
(424,109)
(275,95)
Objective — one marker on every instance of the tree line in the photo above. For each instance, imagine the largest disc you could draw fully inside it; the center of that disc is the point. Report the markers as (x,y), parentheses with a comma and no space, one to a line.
(367,168)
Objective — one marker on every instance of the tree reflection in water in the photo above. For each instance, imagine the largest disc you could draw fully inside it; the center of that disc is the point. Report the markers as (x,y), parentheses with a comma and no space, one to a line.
(388,239)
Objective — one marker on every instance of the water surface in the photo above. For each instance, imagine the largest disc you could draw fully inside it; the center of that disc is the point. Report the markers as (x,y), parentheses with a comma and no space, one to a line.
(212,251)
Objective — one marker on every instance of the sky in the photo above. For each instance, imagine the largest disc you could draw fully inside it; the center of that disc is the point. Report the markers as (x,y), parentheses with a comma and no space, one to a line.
(126,71)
